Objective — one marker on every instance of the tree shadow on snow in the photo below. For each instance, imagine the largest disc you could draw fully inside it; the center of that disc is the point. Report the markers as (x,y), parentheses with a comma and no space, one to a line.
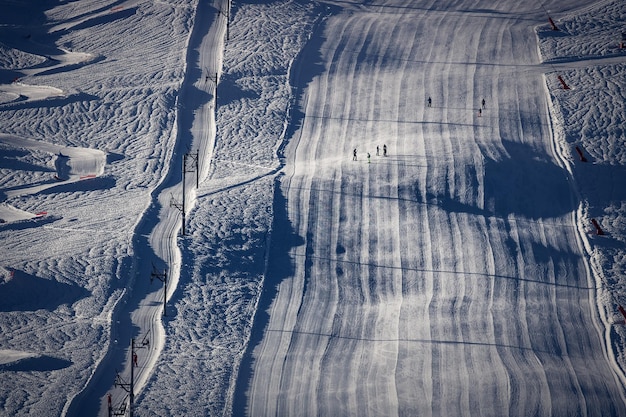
(105,19)
(25,292)
(229,91)
(28,223)
(113,157)
(604,186)
(29,33)
(280,266)
(49,102)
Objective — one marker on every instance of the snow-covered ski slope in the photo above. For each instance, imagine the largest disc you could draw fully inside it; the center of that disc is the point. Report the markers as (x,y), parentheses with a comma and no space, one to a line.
(457,275)
(449,277)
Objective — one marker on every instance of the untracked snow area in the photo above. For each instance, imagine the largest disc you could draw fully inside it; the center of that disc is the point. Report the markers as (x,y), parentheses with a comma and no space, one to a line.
(590,117)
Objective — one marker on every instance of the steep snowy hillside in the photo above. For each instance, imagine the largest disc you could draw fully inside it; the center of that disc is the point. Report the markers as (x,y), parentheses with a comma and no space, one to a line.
(96,78)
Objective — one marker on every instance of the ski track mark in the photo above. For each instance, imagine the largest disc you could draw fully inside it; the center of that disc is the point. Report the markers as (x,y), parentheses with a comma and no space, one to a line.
(522,330)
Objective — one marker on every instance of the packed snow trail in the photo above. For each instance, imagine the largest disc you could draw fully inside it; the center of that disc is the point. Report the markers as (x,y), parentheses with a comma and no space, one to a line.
(229,227)
(157,255)
(448,277)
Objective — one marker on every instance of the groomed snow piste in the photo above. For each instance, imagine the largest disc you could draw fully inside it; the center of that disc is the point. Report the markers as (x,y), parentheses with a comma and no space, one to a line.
(362,235)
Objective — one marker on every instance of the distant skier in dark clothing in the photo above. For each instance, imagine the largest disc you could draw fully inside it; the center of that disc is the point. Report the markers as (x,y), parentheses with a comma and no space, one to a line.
(368,157)
(377,150)
(483,103)
(384,150)
(430,102)
(354,154)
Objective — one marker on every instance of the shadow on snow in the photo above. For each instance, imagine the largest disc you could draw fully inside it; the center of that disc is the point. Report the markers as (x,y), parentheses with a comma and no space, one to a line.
(37,364)
(521,183)
(25,292)
(9,158)
(280,265)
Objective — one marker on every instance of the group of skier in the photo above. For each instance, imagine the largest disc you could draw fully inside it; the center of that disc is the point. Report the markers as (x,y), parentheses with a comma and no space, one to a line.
(430,104)
(354,153)
(480,108)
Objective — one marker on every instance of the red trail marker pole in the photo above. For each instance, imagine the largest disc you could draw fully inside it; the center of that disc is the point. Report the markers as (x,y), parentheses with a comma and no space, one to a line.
(552,24)
(599,230)
(565,86)
(580,154)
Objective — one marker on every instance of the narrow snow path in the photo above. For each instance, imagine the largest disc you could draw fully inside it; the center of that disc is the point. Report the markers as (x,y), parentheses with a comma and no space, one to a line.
(462,290)
(156,237)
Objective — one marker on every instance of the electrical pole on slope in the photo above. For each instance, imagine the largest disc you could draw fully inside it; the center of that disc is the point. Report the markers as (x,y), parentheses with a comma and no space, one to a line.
(161,276)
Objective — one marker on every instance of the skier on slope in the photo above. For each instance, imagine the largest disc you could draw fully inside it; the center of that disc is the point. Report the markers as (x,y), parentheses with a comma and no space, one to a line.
(354,154)
(384,150)
(430,102)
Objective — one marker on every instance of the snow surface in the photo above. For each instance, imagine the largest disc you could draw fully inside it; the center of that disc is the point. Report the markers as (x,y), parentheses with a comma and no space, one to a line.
(460,274)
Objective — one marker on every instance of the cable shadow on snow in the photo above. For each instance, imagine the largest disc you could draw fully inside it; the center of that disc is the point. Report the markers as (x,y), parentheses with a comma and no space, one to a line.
(392,121)
(406,340)
(477,275)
